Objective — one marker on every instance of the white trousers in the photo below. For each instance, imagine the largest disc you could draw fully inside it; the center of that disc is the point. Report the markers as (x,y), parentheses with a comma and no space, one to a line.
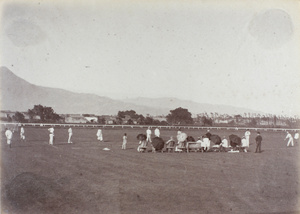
(8,141)
(70,137)
(148,138)
(51,137)
(291,140)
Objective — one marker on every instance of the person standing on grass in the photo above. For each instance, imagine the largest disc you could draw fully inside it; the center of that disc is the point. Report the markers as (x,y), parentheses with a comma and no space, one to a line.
(258,140)
(148,132)
(22,133)
(8,134)
(296,137)
(99,135)
(290,139)
(51,135)
(245,144)
(124,141)
(157,132)
(247,136)
(70,131)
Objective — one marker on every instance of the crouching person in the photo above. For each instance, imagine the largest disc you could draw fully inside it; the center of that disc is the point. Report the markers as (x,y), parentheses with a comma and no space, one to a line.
(142,143)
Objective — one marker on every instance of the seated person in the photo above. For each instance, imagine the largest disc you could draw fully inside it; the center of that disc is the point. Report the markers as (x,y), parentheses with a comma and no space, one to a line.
(199,140)
(224,144)
(206,143)
(142,146)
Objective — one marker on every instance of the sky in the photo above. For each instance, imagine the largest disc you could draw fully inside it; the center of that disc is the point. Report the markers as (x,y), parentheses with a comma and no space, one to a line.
(239,53)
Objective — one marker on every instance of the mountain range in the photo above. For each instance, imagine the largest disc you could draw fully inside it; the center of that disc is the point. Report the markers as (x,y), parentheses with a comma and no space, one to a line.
(19,95)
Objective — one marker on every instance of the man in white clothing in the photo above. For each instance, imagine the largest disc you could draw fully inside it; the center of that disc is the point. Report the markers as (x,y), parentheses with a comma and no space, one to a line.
(70,135)
(51,135)
(8,134)
(99,135)
(290,139)
(22,133)
(296,136)
(247,136)
(148,132)
(157,132)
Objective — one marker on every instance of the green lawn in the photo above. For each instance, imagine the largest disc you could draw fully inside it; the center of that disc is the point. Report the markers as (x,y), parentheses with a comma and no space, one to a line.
(83,178)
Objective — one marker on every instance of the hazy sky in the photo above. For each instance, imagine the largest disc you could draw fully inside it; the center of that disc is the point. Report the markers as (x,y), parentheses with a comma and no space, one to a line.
(243,53)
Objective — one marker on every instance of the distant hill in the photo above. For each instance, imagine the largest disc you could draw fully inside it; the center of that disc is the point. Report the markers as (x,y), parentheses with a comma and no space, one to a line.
(20,95)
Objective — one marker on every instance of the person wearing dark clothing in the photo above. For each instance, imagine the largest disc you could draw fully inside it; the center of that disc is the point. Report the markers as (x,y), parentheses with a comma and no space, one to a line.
(258,140)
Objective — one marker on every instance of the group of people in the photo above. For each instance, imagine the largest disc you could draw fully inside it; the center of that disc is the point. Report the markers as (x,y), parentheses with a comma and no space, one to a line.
(51,135)
(203,142)
(9,134)
(291,139)
(181,138)
(149,133)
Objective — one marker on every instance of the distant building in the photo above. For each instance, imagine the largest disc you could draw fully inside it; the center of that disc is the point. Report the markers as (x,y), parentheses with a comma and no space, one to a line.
(160,118)
(75,118)
(109,120)
(92,119)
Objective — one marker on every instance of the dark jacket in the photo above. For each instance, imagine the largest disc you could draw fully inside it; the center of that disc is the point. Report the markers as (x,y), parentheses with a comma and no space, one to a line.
(258,139)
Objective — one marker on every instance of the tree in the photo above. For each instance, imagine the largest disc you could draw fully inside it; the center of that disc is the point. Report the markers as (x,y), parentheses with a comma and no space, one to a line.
(133,116)
(148,120)
(101,120)
(206,121)
(180,116)
(141,120)
(45,113)
(19,117)
(253,122)
(130,122)
(164,123)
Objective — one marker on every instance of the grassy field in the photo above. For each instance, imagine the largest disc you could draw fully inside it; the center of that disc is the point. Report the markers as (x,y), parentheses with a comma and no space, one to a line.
(83,178)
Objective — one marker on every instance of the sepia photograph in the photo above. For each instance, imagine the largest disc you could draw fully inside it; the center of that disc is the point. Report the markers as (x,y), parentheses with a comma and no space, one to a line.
(159,107)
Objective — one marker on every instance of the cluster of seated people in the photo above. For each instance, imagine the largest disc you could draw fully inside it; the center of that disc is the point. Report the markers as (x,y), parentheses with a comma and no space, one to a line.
(205,143)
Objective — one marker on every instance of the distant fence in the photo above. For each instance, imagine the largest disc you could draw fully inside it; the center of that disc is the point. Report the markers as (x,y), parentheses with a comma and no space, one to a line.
(137,126)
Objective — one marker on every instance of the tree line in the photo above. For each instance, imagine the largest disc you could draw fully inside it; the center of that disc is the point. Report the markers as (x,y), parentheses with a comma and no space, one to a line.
(178,116)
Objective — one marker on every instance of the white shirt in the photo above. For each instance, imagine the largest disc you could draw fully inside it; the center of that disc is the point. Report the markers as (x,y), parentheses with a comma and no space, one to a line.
(70,130)
(244,143)
(22,131)
(99,132)
(289,136)
(157,132)
(296,136)
(148,132)
(247,134)
(225,143)
(206,141)
(51,130)
(8,134)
